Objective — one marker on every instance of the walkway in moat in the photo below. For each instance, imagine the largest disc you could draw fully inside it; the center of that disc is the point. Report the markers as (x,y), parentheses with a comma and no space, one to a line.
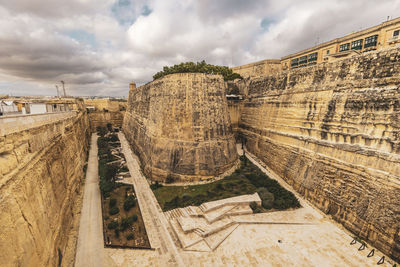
(90,249)
(154,219)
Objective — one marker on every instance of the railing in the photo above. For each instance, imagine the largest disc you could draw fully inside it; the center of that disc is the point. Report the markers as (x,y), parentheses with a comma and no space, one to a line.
(16,123)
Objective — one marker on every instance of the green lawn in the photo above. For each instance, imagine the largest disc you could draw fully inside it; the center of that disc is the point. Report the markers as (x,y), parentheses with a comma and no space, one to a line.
(248,179)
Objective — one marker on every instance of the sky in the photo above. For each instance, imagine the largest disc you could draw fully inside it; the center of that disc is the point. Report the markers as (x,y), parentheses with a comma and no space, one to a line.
(97,47)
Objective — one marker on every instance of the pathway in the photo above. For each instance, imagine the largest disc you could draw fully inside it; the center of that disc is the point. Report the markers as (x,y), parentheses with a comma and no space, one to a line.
(90,249)
(154,219)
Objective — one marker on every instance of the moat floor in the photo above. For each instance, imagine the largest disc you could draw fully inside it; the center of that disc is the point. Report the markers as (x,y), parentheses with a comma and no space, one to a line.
(301,237)
(90,247)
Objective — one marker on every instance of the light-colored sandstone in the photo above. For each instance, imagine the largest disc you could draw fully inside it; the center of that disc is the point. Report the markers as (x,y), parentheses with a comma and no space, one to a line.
(332,131)
(180,127)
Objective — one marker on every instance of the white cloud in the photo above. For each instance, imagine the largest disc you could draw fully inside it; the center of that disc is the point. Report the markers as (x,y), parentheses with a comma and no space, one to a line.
(98,47)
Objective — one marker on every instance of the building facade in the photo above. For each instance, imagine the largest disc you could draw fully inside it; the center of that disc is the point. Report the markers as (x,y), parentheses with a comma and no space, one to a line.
(378,37)
(384,35)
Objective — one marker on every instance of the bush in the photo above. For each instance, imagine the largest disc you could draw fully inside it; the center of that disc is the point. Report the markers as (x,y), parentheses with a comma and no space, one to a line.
(155,185)
(169,179)
(109,127)
(128,221)
(134,218)
(113,211)
(129,203)
(255,207)
(112,225)
(113,202)
(125,224)
(113,138)
(199,67)
(129,237)
(101,130)
(267,198)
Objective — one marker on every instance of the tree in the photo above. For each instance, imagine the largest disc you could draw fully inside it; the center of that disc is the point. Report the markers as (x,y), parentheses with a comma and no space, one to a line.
(199,67)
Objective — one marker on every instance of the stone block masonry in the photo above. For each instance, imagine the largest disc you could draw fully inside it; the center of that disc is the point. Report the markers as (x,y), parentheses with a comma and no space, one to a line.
(41,169)
(332,131)
(179,126)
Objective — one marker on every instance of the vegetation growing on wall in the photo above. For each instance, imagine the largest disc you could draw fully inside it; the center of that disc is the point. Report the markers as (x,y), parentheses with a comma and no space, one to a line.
(199,67)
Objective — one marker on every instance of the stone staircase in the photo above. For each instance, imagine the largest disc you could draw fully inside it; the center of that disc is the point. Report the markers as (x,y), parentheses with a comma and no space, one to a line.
(210,223)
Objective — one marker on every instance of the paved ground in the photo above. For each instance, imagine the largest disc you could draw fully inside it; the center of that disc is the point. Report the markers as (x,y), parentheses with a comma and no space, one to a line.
(156,224)
(255,242)
(90,249)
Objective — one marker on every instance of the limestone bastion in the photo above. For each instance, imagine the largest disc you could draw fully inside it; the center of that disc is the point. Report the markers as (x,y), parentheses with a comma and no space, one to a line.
(179,126)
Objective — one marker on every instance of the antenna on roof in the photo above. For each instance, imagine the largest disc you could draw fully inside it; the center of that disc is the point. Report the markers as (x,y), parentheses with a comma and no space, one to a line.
(62,82)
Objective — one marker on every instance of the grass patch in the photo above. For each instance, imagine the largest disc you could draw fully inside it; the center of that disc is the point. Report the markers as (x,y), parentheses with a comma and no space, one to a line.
(247,179)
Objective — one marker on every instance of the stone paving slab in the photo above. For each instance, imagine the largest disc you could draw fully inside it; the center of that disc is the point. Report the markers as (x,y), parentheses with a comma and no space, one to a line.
(239,200)
(186,239)
(240,210)
(215,214)
(213,241)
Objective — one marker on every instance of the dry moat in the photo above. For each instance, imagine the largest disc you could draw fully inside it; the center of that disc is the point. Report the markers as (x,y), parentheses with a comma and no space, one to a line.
(272,165)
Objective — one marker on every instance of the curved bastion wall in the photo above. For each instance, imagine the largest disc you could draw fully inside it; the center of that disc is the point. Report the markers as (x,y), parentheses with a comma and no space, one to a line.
(332,131)
(179,126)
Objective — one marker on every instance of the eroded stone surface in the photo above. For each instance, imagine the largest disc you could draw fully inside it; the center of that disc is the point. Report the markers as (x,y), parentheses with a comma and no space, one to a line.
(332,131)
(41,169)
(179,125)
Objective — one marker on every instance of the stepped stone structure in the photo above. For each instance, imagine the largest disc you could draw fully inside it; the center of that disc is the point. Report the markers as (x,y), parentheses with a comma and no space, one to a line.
(332,131)
(180,127)
(205,227)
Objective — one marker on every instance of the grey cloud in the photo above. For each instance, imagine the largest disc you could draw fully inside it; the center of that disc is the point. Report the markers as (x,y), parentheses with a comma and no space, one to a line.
(35,52)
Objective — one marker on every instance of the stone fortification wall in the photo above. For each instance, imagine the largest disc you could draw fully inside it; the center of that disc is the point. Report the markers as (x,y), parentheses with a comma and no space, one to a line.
(18,123)
(332,131)
(259,69)
(179,126)
(41,169)
(106,111)
(101,118)
(235,108)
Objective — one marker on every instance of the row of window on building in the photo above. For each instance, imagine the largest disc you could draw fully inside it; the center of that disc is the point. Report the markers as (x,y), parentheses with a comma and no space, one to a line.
(310,59)
(370,41)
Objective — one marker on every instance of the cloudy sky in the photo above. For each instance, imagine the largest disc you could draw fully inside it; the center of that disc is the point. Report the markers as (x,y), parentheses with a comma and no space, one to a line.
(98,46)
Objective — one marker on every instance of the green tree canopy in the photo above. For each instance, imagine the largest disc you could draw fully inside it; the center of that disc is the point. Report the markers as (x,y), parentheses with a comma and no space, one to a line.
(199,67)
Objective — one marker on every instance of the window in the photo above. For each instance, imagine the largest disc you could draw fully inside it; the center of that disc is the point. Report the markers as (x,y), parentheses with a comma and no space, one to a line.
(312,57)
(344,47)
(356,45)
(370,41)
(327,52)
(396,33)
(303,60)
(295,62)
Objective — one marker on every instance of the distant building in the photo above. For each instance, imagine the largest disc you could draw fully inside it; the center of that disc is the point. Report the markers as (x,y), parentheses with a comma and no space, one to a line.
(384,35)
(8,107)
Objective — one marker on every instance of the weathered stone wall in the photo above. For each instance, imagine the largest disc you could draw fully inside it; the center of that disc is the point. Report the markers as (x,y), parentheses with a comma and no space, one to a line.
(101,118)
(179,125)
(40,178)
(106,111)
(234,109)
(259,69)
(332,131)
